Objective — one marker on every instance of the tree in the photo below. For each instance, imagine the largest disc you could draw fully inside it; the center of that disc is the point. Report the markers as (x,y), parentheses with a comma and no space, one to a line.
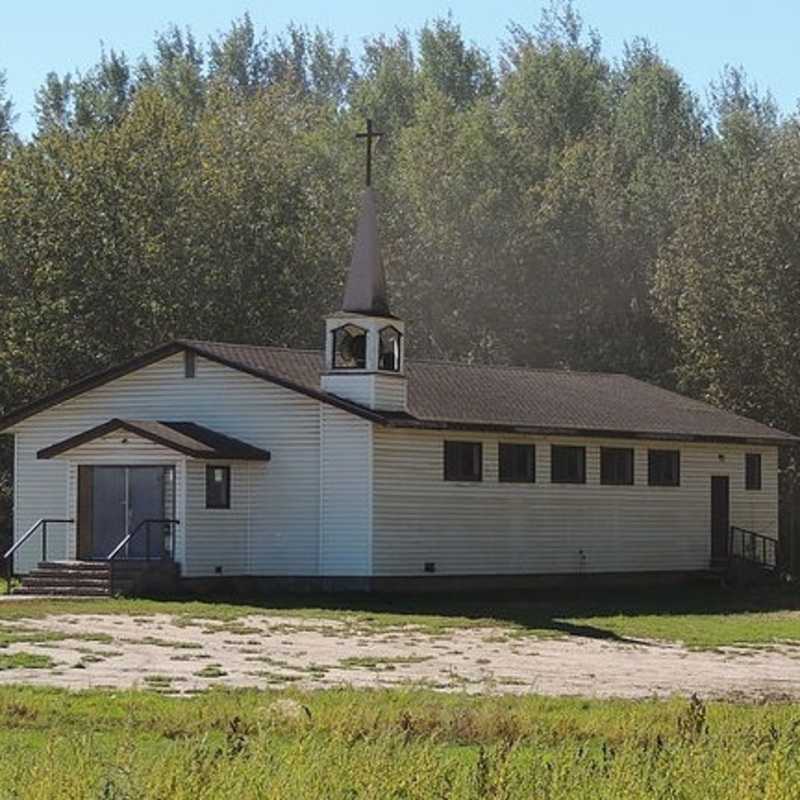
(7,118)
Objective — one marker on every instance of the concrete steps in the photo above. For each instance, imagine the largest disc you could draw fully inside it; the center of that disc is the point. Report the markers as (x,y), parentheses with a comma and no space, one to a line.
(100,578)
(68,578)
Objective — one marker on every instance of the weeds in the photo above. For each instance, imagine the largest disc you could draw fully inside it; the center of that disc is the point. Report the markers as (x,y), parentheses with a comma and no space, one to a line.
(390,744)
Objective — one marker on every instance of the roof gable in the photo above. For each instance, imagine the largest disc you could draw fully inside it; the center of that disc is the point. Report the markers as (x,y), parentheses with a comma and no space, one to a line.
(187,438)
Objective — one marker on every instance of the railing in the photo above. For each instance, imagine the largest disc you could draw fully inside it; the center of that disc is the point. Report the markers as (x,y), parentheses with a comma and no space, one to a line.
(7,556)
(168,528)
(756,548)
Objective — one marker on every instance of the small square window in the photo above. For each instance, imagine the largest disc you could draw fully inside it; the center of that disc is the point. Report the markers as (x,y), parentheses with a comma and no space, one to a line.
(218,486)
(616,466)
(664,467)
(567,464)
(463,461)
(752,471)
(517,463)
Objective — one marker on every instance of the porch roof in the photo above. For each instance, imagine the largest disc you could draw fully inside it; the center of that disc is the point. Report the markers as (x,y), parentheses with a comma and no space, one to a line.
(188,438)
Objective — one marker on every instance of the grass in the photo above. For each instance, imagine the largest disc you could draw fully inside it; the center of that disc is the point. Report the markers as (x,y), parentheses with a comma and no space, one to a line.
(702,617)
(211,671)
(381,663)
(390,744)
(24,660)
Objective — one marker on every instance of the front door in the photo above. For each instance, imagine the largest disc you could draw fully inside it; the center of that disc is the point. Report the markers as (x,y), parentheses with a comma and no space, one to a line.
(720,516)
(121,499)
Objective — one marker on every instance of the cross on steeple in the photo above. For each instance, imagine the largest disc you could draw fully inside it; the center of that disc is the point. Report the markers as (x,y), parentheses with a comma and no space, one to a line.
(369,135)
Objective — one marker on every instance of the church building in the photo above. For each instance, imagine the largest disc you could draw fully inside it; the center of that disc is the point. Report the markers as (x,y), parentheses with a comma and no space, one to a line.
(254,467)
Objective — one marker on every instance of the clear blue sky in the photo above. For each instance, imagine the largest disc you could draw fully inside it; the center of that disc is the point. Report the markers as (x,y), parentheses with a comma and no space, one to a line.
(696,36)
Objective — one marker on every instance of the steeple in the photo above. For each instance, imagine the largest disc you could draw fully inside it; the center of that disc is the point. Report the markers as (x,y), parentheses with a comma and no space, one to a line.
(365,292)
(364,359)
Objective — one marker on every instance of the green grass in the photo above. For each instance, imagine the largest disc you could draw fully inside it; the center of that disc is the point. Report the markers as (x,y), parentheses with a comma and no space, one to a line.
(25,661)
(211,671)
(390,745)
(705,617)
(381,663)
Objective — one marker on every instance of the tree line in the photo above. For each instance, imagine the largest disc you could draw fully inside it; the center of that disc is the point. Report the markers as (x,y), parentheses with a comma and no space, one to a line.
(549,207)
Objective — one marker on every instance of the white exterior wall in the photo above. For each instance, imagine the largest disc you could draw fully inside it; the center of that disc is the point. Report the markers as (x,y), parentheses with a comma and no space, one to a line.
(382,391)
(282,501)
(346,490)
(515,528)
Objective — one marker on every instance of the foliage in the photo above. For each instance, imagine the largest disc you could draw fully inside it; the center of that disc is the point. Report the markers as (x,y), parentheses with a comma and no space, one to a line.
(370,744)
(550,208)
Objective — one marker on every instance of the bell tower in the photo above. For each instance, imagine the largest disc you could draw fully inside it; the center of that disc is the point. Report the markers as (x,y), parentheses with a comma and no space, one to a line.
(364,342)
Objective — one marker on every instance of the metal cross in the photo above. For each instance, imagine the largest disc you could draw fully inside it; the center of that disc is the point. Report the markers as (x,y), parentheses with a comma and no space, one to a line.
(369,136)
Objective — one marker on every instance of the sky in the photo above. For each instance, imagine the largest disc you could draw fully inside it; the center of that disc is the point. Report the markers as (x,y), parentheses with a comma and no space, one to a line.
(698,37)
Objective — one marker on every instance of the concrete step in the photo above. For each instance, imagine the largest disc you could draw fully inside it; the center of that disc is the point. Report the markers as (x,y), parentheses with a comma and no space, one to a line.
(70,574)
(61,580)
(83,566)
(66,591)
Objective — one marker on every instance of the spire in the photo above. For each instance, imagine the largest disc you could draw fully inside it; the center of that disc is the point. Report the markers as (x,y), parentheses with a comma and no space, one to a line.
(365,292)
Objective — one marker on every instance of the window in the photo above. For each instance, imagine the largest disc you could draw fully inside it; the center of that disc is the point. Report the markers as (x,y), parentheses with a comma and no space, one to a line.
(616,466)
(188,364)
(389,349)
(664,467)
(349,347)
(517,463)
(218,487)
(752,471)
(567,464)
(463,461)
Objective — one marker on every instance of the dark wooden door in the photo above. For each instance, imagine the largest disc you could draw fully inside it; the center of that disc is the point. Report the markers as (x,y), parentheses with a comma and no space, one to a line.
(720,516)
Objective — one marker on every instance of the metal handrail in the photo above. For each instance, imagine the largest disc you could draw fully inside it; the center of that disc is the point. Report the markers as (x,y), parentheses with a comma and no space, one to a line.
(146,523)
(41,523)
(751,543)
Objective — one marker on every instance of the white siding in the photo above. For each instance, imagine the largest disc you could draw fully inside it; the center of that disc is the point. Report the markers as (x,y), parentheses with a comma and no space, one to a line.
(346,489)
(512,528)
(221,537)
(389,393)
(382,391)
(356,386)
(283,495)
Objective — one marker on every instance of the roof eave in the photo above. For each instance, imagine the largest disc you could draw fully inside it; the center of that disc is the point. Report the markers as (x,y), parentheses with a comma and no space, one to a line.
(106,428)
(784,439)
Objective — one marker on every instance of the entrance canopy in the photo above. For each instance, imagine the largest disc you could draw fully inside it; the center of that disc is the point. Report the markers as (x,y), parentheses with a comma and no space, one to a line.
(187,438)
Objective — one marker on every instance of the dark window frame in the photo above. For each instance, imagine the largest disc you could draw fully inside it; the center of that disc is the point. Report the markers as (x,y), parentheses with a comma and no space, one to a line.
(609,476)
(335,346)
(452,462)
(504,463)
(225,503)
(189,364)
(563,449)
(653,478)
(753,474)
(397,366)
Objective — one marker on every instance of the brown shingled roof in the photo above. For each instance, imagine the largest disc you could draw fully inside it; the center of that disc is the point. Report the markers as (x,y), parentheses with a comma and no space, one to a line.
(445,395)
(188,438)
(452,395)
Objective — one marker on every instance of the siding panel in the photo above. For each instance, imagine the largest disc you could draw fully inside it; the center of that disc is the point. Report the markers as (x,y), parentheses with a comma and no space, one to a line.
(283,498)
(513,528)
(346,488)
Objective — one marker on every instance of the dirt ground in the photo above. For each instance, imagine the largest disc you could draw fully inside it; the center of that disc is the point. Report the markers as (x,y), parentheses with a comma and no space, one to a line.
(181,656)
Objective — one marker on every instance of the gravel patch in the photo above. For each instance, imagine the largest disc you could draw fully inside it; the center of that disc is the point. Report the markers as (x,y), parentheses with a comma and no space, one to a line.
(177,656)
